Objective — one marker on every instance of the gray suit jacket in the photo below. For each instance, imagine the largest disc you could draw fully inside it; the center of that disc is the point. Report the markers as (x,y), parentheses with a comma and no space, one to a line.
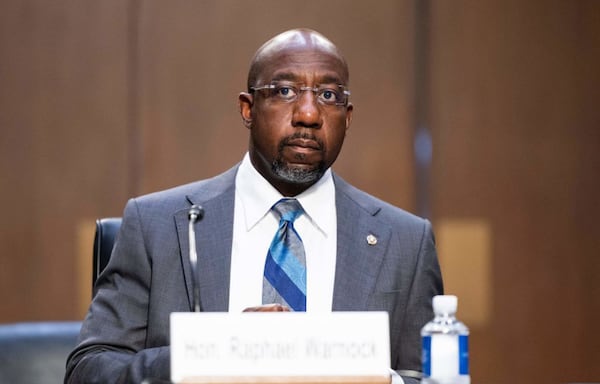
(125,335)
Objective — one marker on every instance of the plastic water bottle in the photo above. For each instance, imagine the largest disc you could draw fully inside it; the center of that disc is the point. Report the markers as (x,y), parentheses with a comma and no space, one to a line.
(445,345)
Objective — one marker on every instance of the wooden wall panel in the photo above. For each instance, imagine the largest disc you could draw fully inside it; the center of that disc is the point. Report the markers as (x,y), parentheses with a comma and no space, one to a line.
(63,158)
(514,116)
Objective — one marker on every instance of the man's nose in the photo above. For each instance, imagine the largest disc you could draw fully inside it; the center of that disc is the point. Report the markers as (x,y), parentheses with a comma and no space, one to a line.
(307,112)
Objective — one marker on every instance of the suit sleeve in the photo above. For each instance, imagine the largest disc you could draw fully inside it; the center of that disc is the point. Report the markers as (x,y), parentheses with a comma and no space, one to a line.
(112,344)
(426,283)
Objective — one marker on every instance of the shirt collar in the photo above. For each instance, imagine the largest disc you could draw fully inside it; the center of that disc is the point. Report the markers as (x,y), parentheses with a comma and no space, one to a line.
(257,196)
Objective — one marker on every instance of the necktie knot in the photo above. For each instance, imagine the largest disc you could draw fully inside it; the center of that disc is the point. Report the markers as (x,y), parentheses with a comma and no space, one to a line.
(288,209)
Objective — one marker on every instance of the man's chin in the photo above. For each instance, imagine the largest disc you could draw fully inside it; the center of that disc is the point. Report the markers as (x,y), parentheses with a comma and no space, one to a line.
(297,174)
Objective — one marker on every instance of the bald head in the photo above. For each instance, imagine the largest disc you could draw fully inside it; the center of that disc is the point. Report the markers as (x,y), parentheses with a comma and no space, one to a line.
(293,41)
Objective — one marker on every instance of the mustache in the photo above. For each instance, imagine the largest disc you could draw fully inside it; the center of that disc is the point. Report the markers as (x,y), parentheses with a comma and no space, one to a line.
(298,135)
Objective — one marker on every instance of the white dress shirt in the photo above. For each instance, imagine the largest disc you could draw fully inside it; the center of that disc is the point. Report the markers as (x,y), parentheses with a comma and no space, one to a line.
(255,225)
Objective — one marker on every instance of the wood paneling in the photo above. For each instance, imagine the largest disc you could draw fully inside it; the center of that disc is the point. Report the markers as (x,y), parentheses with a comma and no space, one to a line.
(63,116)
(514,117)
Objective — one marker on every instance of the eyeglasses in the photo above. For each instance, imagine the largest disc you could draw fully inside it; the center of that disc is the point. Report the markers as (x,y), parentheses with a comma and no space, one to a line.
(287,92)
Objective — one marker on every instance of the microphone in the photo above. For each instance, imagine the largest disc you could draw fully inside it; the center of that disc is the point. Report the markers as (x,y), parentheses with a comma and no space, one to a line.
(196,213)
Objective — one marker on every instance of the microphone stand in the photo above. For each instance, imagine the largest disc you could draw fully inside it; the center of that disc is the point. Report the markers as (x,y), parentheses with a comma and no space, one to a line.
(196,213)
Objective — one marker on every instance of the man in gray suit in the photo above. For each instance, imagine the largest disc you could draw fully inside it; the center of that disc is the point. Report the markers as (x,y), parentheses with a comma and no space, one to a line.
(361,254)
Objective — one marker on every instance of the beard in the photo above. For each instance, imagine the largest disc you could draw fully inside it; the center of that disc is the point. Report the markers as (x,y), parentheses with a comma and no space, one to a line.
(297,175)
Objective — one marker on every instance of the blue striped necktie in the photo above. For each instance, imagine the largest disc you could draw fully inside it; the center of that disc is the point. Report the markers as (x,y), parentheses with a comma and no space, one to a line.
(285,269)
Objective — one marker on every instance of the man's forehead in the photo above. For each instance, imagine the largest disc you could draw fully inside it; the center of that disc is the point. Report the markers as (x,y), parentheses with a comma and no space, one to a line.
(299,51)
(292,63)
(303,73)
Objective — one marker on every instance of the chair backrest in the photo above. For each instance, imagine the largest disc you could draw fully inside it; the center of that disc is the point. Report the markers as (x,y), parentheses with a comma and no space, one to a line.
(36,352)
(106,231)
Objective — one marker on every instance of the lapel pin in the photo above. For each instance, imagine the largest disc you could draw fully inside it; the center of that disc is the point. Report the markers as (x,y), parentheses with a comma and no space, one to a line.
(371,239)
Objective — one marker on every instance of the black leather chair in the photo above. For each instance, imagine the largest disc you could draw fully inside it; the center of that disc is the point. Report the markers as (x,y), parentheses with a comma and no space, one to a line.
(36,352)
(106,231)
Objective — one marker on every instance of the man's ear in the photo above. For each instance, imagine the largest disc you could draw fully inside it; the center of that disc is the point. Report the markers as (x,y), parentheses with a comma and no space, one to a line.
(246,101)
(349,110)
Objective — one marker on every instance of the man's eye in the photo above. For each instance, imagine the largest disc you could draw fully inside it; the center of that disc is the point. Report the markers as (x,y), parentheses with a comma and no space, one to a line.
(329,95)
(285,92)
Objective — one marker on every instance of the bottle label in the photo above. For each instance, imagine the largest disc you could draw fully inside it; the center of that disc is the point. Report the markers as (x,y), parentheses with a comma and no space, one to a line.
(426,356)
(463,354)
(445,355)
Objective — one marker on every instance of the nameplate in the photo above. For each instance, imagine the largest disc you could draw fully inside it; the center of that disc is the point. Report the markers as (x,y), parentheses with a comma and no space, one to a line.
(279,344)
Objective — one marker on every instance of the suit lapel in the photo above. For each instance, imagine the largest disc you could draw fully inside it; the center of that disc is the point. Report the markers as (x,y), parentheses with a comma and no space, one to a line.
(361,245)
(214,234)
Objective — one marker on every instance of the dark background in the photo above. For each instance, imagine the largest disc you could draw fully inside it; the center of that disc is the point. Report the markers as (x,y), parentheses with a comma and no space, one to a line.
(104,100)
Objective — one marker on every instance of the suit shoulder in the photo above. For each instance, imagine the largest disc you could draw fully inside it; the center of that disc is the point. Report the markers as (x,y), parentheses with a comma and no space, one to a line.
(181,194)
(377,207)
